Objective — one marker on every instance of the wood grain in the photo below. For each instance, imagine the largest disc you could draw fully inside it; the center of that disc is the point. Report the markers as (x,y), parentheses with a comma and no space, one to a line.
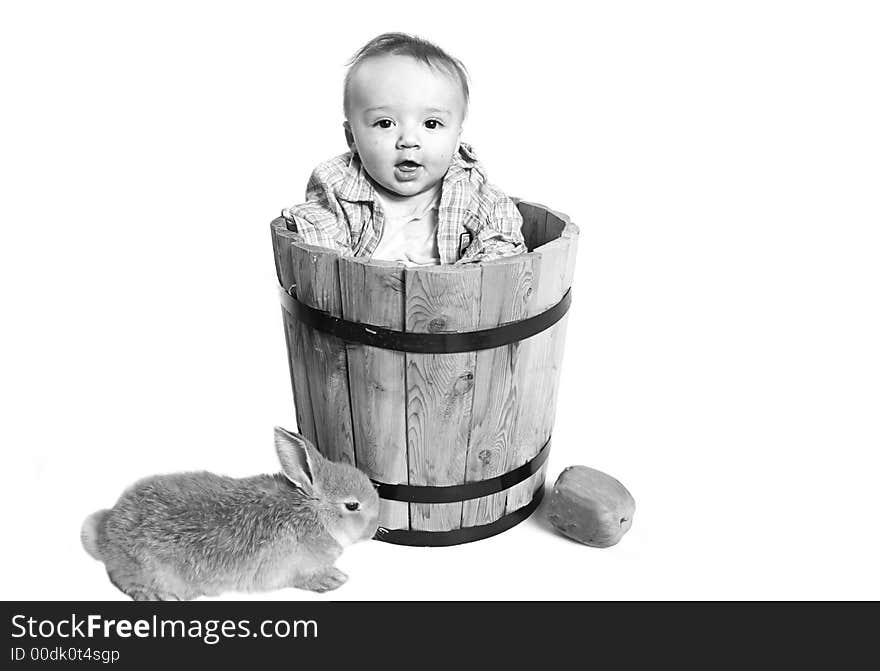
(373,293)
(570,233)
(317,285)
(282,240)
(550,262)
(440,386)
(505,296)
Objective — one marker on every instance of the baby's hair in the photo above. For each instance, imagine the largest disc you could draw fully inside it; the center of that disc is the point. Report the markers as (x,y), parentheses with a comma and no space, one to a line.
(401,44)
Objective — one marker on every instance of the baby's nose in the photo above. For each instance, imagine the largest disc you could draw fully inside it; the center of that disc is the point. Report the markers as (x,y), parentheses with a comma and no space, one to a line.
(408,139)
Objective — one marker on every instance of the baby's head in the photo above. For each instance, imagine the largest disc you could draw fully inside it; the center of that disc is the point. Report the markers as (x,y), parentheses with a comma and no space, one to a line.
(405,101)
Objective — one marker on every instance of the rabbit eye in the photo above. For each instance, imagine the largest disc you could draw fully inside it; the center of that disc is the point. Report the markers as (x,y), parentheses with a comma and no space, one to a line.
(352,505)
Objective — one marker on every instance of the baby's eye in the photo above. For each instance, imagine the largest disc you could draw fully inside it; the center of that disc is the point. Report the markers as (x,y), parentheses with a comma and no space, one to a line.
(432,124)
(352,505)
(383,123)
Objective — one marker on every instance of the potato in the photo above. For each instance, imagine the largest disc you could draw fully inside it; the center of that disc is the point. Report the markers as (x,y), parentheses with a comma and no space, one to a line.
(590,507)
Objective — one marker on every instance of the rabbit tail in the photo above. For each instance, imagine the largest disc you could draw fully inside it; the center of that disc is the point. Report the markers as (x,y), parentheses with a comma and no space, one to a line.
(92,530)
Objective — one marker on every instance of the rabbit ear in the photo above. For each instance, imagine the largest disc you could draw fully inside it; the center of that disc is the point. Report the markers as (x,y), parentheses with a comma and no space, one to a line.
(296,459)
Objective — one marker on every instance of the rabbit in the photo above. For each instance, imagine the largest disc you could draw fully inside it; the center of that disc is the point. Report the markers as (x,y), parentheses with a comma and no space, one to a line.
(180,536)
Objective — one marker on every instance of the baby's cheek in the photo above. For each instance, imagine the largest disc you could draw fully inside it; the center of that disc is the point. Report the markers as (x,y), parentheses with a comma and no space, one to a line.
(374,154)
(444,157)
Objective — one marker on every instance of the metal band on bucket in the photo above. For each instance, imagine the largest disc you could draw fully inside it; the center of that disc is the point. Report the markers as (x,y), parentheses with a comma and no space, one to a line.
(458,493)
(424,343)
(466,491)
(463,535)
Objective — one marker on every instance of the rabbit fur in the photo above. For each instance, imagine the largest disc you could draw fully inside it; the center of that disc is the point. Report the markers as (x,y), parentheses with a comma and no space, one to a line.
(185,535)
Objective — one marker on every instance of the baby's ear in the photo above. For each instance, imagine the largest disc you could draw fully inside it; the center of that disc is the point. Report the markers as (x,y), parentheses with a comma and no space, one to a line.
(349,137)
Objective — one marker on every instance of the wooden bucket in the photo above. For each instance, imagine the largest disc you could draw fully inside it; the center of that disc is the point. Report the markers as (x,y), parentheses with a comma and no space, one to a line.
(456,442)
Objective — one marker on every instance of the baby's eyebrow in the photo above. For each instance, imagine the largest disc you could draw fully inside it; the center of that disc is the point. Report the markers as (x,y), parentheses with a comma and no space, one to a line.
(428,110)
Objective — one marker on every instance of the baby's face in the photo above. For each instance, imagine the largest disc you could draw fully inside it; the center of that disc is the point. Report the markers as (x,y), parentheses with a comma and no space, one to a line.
(404,121)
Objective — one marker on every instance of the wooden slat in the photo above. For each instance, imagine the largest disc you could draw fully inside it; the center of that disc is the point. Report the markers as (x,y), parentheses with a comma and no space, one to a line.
(570,233)
(440,386)
(282,240)
(317,285)
(550,263)
(505,296)
(539,478)
(373,293)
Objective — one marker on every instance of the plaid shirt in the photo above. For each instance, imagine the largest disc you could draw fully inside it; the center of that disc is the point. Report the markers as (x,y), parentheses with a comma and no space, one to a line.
(476,221)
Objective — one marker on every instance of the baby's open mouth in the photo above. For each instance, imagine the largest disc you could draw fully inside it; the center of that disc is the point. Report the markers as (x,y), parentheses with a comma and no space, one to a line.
(408,166)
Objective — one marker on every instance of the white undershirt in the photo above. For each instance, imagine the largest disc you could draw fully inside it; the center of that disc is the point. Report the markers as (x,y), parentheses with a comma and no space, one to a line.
(410,232)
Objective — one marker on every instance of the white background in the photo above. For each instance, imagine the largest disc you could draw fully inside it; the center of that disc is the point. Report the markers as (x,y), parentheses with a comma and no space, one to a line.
(721,159)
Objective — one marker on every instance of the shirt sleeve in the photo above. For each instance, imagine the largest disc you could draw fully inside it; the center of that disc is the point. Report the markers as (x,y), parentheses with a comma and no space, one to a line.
(499,235)
(317,219)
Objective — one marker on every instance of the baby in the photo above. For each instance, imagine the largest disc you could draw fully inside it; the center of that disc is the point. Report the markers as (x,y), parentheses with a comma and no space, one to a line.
(408,190)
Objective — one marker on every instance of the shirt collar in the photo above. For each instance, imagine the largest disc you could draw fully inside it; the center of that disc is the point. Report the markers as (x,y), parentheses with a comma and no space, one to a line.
(356,186)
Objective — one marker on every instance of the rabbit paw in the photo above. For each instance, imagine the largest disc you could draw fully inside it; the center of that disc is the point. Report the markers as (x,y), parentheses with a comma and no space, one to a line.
(325,581)
(138,593)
